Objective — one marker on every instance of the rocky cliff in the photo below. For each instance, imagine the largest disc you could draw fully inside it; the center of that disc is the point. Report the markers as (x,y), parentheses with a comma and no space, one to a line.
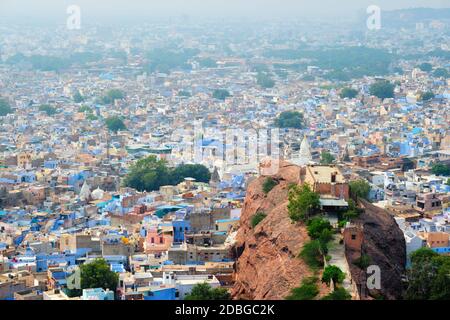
(267,266)
(384,245)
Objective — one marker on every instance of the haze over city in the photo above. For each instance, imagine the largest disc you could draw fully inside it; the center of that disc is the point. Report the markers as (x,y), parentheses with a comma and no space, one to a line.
(217,150)
(116,10)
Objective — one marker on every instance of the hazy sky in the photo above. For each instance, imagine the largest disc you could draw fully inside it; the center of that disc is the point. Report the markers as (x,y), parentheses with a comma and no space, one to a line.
(113,9)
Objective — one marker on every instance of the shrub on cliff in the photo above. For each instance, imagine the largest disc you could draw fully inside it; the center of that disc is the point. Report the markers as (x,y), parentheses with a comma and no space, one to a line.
(338,294)
(360,188)
(352,212)
(316,226)
(302,202)
(312,254)
(307,291)
(257,218)
(333,273)
(363,262)
(268,185)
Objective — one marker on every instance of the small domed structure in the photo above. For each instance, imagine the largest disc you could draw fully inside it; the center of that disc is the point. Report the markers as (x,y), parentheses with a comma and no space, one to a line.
(304,156)
(97,194)
(85,192)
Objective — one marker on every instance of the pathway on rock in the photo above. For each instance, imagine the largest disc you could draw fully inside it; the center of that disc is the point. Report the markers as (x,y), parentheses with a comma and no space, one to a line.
(337,253)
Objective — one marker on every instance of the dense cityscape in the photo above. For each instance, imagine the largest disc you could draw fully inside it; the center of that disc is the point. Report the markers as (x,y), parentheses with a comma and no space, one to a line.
(198,159)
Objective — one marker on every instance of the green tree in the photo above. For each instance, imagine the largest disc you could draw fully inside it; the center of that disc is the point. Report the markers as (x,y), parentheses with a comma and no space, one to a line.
(426,67)
(147,174)
(316,226)
(333,273)
(111,96)
(363,261)
(428,277)
(165,60)
(97,274)
(197,171)
(207,63)
(427,96)
(360,188)
(307,291)
(302,202)
(264,80)
(77,97)
(184,93)
(440,169)
(352,212)
(290,119)
(325,237)
(312,254)
(308,77)
(91,117)
(221,94)
(203,291)
(448,182)
(48,109)
(441,284)
(348,93)
(73,293)
(5,107)
(268,185)
(382,89)
(441,73)
(422,255)
(326,158)
(85,109)
(257,218)
(115,124)
(338,294)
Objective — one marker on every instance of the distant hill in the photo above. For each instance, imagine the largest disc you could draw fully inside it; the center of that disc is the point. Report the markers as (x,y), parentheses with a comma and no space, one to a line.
(409,17)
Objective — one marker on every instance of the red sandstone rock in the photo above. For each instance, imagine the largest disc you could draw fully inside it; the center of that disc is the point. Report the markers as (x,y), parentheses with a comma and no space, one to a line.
(268,267)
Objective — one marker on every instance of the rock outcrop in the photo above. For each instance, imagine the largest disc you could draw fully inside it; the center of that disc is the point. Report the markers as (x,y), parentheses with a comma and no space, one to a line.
(267,263)
(384,245)
(267,266)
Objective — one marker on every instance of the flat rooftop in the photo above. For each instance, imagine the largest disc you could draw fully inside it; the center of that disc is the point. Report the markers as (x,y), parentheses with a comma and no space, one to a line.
(323,174)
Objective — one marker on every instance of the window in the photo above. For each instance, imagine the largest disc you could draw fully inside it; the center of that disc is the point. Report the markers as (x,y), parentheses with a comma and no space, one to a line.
(353,236)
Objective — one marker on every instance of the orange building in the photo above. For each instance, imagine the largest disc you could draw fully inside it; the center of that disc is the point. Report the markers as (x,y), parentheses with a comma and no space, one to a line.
(328,181)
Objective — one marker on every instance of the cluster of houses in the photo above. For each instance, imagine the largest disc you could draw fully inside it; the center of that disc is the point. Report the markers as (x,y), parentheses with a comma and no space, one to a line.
(160,243)
(62,201)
